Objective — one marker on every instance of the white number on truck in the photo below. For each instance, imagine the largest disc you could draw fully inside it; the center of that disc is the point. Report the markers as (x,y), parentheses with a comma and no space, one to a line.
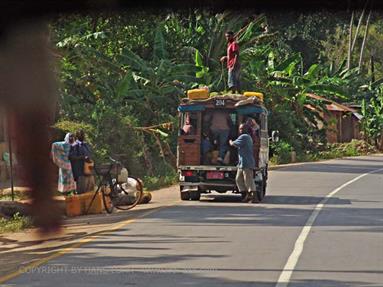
(219,102)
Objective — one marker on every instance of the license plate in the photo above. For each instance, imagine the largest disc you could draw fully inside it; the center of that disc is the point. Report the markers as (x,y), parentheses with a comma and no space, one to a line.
(214,175)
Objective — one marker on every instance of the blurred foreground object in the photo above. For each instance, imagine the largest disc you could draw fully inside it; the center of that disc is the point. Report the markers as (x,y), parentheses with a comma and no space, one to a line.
(28,93)
(146,197)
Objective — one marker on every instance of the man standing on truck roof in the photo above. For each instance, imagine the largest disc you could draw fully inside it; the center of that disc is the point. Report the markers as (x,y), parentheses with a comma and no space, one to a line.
(233,65)
(246,164)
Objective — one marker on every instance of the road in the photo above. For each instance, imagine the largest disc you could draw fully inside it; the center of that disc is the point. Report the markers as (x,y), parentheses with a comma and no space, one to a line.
(321,224)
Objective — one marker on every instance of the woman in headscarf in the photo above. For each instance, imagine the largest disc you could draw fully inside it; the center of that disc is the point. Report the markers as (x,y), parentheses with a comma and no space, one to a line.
(60,152)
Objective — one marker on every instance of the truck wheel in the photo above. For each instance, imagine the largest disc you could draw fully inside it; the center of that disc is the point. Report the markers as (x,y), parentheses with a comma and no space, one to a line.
(195,195)
(264,187)
(261,190)
(185,195)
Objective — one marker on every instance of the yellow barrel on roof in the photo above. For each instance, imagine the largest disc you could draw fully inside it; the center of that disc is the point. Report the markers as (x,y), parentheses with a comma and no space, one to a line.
(254,94)
(198,94)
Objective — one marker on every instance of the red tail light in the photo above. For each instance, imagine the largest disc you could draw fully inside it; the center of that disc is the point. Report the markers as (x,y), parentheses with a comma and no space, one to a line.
(187,173)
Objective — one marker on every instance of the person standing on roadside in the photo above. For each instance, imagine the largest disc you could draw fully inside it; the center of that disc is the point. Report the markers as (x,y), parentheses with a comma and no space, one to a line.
(80,153)
(246,164)
(232,62)
(60,152)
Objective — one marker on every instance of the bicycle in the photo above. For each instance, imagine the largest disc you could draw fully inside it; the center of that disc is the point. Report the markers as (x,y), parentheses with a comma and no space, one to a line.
(113,190)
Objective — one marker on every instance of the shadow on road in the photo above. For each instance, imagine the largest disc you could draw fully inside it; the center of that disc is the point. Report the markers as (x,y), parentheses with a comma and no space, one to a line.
(274,199)
(263,215)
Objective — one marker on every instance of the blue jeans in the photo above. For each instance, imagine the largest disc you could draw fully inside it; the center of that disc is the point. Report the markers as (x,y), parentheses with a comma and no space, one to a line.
(222,136)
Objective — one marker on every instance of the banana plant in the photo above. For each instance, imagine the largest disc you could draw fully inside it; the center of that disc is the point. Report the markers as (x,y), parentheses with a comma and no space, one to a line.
(372,111)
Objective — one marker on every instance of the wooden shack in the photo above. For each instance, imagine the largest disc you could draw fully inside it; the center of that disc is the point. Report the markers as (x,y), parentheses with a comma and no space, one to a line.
(343,122)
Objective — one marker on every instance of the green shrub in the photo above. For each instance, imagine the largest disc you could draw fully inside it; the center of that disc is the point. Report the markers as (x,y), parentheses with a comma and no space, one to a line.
(339,150)
(14,224)
(282,152)
(156,182)
(330,151)
(165,176)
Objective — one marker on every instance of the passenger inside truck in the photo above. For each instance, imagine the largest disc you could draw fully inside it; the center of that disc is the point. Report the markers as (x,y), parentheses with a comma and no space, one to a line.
(206,147)
(254,122)
(254,126)
(188,123)
(214,141)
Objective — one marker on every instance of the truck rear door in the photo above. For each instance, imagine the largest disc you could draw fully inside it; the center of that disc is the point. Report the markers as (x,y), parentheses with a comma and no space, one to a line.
(189,138)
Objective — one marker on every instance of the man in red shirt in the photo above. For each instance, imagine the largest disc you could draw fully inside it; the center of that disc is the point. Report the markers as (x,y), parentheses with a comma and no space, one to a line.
(233,65)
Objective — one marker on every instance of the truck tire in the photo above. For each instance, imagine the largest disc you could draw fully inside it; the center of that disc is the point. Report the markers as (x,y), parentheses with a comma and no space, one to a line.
(264,183)
(264,187)
(195,195)
(261,190)
(185,195)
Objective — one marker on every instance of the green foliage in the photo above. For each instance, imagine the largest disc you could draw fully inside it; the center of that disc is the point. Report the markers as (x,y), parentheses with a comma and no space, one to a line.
(305,32)
(127,90)
(155,182)
(330,151)
(17,196)
(66,126)
(282,152)
(372,110)
(339,150)
(165,176)
(14,224)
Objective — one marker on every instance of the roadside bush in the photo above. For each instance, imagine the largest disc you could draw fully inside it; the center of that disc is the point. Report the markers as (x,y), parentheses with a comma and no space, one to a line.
(14,224)
(165,176)
(155,182)
(281,152)
(338,150)
(331,151)
(353,148)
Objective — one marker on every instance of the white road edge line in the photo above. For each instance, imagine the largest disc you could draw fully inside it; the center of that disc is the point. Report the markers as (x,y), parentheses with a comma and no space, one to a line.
(287,271)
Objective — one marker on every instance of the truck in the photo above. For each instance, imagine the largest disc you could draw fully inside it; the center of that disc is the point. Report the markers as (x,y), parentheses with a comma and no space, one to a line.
(200,171)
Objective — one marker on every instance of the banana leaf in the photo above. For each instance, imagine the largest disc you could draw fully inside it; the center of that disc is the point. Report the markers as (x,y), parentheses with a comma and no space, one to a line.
(159,51)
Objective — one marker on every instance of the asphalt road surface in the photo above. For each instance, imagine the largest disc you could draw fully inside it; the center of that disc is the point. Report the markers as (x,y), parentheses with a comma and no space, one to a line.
(321,224)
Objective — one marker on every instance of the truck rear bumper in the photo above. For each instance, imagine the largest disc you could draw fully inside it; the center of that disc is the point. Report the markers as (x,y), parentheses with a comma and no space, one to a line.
(207,184)
(207,167)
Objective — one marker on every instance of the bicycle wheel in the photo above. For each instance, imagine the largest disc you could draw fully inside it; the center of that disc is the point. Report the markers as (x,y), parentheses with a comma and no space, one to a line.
(130,193)
(106,198)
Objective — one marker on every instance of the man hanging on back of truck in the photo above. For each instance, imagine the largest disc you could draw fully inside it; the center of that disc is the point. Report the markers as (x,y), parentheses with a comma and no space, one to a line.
(233,65)
(246,164)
